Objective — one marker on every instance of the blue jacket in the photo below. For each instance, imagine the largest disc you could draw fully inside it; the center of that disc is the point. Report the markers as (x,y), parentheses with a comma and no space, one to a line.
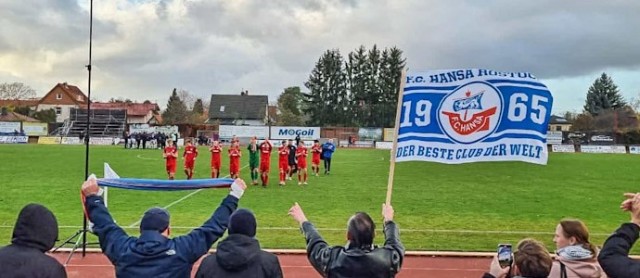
(328,149)
(153,255)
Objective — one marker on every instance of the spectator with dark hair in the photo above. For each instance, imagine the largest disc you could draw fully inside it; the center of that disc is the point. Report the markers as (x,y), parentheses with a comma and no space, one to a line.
(614,256)
(293,166)
(239,255)
(530,259)
(575,255)
(154,254)
(359,258)
(35,233)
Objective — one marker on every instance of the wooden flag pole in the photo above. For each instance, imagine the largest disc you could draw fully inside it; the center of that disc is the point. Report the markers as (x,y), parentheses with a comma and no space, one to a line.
(392,161)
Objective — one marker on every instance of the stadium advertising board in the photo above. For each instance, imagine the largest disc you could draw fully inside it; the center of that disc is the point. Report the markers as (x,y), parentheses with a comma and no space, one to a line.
(49,140)
(14,139)
(388,134)
(101,140)
(384,145)
(9,127)
(243,131)
(634,149)
(563,148)
(290,132)
(602,149)
(554,137)
(370,134)
(35,129)
(70,141)
(601,138)
(141,128)
(472,115)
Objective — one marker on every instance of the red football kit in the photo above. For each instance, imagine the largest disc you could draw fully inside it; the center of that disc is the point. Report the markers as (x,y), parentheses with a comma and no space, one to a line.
(283,162)
(234,160)
(215,157)
(190,154)
(315,154)
(265,156)
(301,156)
(169,151)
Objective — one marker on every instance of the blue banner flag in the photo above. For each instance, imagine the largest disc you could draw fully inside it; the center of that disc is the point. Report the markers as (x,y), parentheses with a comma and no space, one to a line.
(471,115)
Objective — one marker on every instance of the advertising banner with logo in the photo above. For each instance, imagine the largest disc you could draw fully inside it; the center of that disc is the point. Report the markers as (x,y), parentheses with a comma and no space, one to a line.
(370,134)
(243,131)
(602,149)
(101,141)
(601,138)
(14,139)
(471,115)
(388,134)
(572,137)
(70,141)
(290,132)
(9,127)
(35,129)
(554,137)
(563,148)
(49,140)
(141,128)
(634,149)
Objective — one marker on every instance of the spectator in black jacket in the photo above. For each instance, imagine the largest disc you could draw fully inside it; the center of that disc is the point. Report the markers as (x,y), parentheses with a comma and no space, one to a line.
(35,232)
(239,255)
(359,258)
(614,256)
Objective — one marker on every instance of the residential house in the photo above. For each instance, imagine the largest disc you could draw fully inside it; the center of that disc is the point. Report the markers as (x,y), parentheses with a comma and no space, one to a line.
(62,98)
(557,123)
(243,109)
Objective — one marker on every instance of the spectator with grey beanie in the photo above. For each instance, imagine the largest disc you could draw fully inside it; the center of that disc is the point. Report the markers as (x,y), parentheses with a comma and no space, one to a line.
(154,254)
(239,255)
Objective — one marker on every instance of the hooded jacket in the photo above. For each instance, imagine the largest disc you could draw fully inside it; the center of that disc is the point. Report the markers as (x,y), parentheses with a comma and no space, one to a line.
(577,268)
(152,254)
(240,256)
(35,233)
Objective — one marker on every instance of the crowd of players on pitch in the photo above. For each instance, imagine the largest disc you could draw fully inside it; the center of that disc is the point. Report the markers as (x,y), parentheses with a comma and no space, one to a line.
(292,158)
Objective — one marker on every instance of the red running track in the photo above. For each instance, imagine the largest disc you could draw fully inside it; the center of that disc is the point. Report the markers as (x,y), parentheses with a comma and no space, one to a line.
(296,265)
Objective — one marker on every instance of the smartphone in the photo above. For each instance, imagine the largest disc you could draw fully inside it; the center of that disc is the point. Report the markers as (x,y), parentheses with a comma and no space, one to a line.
(505,255)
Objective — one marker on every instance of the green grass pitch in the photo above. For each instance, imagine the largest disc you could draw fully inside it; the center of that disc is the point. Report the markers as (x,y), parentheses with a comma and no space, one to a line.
(470,207)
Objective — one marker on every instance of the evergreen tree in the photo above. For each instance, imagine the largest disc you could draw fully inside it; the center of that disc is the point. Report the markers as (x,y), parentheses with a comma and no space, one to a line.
(176,111)
(603,95)
(326,102)
(390,73)
(198,107)
(357,84)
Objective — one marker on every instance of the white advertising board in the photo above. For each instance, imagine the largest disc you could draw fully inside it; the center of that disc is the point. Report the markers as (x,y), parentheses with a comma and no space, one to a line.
(290,132)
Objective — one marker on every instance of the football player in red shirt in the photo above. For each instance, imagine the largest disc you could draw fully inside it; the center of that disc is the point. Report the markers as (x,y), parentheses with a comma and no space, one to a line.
(215,150)
(265,161)
(234,160)
(283,161)
(316,150)
(170,154)
(190,154)
(301,157)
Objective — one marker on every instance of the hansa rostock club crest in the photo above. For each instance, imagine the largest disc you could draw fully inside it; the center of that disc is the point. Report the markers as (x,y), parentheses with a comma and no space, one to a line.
(470,113)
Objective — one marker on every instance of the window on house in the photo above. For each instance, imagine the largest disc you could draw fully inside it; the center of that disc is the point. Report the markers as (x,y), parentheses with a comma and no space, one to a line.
(80,98)
(222,108)
(58,110)
(58,96)
(558,128)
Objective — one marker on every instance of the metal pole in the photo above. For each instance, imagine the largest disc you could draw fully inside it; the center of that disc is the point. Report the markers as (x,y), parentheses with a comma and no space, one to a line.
(87,135)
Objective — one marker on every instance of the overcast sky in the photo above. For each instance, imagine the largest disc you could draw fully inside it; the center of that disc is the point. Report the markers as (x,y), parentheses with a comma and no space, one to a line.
(142,49)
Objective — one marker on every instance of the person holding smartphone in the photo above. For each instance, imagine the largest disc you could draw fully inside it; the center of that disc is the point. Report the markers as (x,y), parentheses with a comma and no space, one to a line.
(531,260)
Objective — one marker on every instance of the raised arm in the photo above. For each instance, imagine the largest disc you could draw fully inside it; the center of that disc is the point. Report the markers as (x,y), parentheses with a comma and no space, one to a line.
(392,238)
(318,251)
(113,239)
(614,256)
(199,241)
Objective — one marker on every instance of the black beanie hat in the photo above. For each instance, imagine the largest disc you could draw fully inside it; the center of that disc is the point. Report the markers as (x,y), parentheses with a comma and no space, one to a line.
(155,219)
(243,222)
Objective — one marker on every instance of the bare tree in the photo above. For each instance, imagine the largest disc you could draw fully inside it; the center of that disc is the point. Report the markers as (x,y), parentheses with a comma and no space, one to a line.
(186,97)
(16,90)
